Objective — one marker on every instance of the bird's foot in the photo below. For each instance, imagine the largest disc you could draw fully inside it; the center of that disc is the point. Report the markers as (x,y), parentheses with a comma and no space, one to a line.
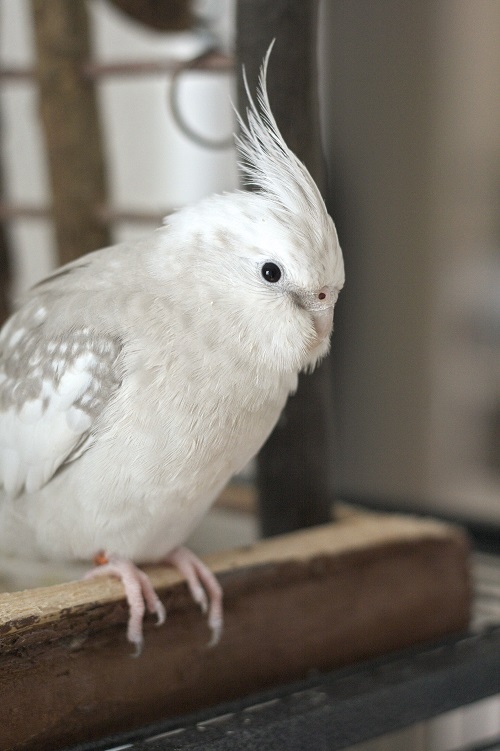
(138,591)
(204,587)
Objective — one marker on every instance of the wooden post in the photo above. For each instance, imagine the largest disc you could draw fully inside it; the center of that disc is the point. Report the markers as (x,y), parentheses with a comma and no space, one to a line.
(294,465)
(69,114)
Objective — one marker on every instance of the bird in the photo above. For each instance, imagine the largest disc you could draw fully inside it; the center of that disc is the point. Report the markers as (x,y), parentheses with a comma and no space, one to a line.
(138,379)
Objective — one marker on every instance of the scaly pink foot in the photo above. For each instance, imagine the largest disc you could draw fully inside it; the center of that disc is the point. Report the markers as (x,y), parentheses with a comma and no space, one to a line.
(204,587)
(138,591)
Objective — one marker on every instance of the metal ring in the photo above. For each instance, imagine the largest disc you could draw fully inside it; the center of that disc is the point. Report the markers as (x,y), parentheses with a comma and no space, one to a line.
(200,62)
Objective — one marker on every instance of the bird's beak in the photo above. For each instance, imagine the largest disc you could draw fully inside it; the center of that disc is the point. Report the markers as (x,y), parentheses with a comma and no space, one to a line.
(320,304)
(323,322)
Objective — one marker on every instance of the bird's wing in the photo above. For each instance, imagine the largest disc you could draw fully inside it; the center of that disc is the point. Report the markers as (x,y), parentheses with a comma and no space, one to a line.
(53,388)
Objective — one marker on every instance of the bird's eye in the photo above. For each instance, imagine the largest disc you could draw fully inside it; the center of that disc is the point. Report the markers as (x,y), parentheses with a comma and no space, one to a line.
(271,272)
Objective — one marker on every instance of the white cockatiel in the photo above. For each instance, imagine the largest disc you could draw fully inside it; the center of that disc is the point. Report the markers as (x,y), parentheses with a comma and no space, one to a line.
(135,381)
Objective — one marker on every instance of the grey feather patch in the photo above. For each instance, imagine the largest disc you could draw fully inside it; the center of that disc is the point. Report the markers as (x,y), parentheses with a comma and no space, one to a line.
(32,362)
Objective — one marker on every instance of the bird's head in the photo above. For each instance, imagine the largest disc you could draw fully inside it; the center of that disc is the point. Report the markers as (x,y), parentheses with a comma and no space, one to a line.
(272,254)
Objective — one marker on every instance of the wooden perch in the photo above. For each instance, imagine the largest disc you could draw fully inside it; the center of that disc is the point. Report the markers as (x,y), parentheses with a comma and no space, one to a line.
(315,599)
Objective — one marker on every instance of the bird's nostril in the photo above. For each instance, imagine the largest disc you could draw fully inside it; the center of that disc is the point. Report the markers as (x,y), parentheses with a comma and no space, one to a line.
(322,295)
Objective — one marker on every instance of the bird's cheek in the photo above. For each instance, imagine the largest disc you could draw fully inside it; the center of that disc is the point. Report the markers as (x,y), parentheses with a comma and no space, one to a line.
(323,322)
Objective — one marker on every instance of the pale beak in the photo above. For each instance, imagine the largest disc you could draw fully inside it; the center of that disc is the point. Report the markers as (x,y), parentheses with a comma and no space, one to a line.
(320,304)
(323,322)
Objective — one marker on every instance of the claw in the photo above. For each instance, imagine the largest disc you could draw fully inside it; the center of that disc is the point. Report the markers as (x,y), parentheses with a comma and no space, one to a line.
(138,647)
(138,591)
(204,587)
(216,626)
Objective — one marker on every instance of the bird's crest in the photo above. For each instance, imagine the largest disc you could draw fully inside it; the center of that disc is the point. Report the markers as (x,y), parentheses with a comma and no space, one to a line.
(271,168)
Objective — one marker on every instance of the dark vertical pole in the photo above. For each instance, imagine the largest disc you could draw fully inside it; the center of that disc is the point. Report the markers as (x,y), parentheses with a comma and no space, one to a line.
(293,466)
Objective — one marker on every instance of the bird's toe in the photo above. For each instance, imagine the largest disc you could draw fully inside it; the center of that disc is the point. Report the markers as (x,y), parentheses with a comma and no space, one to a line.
(203,586)
(139,593)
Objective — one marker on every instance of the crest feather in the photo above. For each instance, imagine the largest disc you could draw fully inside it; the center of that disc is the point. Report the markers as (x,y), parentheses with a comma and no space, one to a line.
(273,170)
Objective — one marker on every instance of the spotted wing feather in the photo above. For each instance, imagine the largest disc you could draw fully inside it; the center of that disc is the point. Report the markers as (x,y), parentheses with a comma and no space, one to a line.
(52,390)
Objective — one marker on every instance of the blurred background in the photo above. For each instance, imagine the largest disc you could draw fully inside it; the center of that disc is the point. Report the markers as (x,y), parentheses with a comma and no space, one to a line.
(411,126)
(411,131)
(410,120)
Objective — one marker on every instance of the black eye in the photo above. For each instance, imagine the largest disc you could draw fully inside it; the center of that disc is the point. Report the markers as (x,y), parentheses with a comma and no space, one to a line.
(271,272)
